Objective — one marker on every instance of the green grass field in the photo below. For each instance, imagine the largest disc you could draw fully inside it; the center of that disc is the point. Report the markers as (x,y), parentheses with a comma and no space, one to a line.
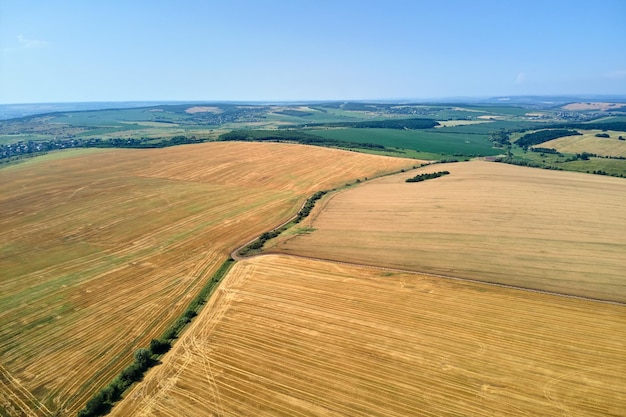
(485,128)
(614,167)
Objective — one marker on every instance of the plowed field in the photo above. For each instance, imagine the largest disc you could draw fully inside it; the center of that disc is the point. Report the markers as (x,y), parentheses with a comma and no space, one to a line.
(297,337)
(99,251)
(557,231)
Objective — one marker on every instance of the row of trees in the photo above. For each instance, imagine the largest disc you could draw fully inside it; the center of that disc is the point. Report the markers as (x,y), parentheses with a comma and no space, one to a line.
(304,212)
(525,163)
(297,136)
(102,402)
(500,138)
(542,136)
(308,206)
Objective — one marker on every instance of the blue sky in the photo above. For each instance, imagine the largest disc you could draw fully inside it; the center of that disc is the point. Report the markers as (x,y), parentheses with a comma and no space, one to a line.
(64,51)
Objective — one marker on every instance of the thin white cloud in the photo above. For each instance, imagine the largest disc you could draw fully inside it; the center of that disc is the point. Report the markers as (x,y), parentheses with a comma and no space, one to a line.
(24,43)
(521,77)
(31,43)
(619,74)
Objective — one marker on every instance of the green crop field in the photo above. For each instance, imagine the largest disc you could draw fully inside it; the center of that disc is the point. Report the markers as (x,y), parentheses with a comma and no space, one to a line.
(464,131)
(437,141)
(485,128)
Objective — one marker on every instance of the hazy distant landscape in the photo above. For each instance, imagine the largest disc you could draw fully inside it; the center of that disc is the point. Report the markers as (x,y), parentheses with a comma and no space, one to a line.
(512,132)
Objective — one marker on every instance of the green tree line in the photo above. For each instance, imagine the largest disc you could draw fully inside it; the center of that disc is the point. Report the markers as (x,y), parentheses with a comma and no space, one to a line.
(102,401)
(542,136)
(424,177)
(294,136)
(304,212)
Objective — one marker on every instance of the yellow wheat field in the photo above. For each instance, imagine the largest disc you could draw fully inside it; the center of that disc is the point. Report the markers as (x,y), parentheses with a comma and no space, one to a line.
(549,230)
(101,250)
(589,142)
(297,337)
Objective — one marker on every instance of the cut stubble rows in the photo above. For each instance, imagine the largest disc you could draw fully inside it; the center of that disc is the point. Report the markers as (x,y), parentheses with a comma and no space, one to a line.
(556,231)
(101,251)
(298,337)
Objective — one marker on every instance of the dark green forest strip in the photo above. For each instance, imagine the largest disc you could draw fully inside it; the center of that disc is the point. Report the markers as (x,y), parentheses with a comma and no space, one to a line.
(102,402)
(542,136)
(297,136)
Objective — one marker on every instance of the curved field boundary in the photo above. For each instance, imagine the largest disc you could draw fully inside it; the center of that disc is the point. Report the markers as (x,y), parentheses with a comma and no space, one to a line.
(115,244)
(235,254)
(550,231)
(237,257)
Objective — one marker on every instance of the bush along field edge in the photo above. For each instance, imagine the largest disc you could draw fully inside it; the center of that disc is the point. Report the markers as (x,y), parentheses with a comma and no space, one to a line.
(256,246)
(145,358)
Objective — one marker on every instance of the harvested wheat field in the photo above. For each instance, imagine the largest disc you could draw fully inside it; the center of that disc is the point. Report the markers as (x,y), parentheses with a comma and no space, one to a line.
(589,142)
(298,337)
(549,230)
(101,250)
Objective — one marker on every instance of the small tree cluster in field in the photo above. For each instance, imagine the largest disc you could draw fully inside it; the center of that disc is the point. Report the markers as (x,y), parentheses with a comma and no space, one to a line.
(424,177)
(500,138)
(551,151)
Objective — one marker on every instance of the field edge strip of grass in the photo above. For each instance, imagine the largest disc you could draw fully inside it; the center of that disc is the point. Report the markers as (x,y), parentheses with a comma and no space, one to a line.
(257,244)
(103,401)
